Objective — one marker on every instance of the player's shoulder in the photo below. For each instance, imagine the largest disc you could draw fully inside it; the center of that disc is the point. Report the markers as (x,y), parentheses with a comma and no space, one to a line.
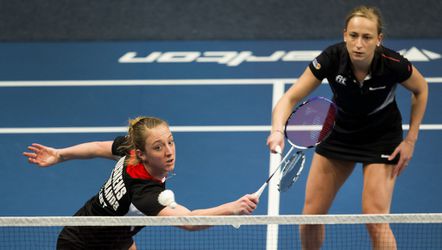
(334,55)
(336,49)
(391,57)
(144,196)
(117,144)
(394,63)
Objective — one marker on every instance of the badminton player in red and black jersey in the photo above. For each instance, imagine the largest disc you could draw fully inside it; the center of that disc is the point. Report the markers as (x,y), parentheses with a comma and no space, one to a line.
(363,76)
(147,156)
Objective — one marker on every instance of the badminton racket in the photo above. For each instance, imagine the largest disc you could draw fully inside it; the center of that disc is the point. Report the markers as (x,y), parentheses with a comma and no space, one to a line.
(307,126)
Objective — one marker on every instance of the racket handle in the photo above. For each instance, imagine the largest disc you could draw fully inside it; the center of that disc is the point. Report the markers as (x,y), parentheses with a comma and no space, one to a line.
(260,190)
(278,150)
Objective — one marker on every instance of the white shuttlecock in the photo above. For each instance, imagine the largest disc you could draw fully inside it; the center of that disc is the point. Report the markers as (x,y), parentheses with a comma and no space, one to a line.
(167,198)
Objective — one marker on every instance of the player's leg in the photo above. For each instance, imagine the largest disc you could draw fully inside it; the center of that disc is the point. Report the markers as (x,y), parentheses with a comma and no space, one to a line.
(325,178)
(133,246)
(376,199)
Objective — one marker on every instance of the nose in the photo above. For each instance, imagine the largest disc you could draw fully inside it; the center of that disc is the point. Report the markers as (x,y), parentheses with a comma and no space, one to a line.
(359,42)
(169,150)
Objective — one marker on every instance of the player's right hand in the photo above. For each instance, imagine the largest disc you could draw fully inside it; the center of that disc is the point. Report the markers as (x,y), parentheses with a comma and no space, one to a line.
(245,205)
(275,140)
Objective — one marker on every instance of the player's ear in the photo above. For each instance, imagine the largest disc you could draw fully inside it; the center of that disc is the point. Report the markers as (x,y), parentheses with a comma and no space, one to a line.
(344,33)
(141,155)
(380,38)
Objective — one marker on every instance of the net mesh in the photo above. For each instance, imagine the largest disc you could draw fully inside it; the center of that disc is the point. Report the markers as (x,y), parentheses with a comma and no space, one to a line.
(411,231)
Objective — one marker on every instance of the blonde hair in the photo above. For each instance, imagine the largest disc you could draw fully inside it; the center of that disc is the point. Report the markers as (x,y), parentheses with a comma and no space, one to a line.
(138,132)
(371,13)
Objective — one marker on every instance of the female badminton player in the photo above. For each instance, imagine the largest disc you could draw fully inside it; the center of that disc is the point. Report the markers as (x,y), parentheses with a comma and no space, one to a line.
(363,76)
(147,156)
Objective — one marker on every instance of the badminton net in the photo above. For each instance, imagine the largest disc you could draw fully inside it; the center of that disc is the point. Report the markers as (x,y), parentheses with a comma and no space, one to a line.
(412,231)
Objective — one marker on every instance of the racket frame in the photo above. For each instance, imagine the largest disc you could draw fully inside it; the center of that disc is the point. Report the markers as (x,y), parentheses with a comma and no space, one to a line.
(299,156)
(316,98)
(293,145)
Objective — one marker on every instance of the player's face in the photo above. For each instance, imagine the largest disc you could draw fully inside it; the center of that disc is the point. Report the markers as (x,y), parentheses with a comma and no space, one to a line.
(362,38)
(159,152)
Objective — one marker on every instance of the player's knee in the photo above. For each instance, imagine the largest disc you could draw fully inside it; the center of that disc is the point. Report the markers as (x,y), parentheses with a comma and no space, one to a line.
(315,206)
(375,208)
(376,230)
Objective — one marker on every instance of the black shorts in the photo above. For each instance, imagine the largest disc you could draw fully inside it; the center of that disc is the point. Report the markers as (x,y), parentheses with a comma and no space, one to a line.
(365,139)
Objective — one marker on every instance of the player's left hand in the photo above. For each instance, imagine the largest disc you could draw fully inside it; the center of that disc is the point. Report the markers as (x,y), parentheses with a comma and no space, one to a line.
(405,149)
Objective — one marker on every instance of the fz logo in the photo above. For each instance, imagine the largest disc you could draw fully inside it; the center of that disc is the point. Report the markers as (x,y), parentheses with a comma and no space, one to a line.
(341,80)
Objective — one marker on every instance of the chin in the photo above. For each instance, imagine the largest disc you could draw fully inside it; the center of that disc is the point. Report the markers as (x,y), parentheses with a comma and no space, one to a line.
(170,168)
(358,58)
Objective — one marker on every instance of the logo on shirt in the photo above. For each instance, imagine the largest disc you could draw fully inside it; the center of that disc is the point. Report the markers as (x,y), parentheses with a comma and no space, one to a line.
(376,88)
(114,189)
(341,80)
(316,64)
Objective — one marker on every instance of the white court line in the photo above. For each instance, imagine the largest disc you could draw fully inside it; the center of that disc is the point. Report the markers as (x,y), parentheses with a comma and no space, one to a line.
(193,129)
(143,82)
(160,82)
(272,193)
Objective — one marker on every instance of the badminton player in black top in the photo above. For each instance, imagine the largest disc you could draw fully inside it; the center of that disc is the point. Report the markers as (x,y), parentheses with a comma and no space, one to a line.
(363,76)
(147,156)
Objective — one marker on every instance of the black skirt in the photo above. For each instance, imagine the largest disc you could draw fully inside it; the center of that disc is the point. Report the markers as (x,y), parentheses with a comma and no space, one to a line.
(364,138)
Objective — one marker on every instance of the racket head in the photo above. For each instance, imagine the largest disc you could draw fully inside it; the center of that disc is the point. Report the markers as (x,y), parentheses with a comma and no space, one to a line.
(311,122)
(291,171)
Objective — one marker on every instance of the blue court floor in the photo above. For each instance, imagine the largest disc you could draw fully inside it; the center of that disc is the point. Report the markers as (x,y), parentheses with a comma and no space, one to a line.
(217,97)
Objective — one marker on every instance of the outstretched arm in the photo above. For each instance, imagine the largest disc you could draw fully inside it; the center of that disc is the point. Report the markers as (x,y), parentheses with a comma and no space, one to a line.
(45,156)
(243,206)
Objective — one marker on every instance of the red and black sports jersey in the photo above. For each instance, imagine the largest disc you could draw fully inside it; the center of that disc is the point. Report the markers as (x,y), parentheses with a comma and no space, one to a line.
(130,190)
(375,92)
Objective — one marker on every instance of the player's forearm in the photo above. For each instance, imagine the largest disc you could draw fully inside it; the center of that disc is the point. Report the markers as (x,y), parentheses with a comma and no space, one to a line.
(418,106)
(214,211)
(280,114)
(87,150)
(224,209)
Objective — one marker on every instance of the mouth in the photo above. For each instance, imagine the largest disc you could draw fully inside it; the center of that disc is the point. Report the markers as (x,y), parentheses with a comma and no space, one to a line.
(170,162)
(358,54)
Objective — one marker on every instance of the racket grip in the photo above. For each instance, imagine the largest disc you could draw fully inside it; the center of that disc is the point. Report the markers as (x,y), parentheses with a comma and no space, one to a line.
(278,150)
(260,190)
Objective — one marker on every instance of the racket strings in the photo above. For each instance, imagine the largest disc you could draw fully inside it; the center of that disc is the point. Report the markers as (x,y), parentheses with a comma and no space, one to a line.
(291,171)
(328,123)
(311,123)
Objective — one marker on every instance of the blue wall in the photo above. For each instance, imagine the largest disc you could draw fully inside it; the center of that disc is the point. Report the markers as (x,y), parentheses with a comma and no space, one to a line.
(49,20)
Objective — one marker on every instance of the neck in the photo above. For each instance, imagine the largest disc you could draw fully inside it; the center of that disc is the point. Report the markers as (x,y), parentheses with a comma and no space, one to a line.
(362,66)
(159,175)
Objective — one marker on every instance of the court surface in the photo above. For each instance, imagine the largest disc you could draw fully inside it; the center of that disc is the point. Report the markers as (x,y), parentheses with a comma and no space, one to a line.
(217,97)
